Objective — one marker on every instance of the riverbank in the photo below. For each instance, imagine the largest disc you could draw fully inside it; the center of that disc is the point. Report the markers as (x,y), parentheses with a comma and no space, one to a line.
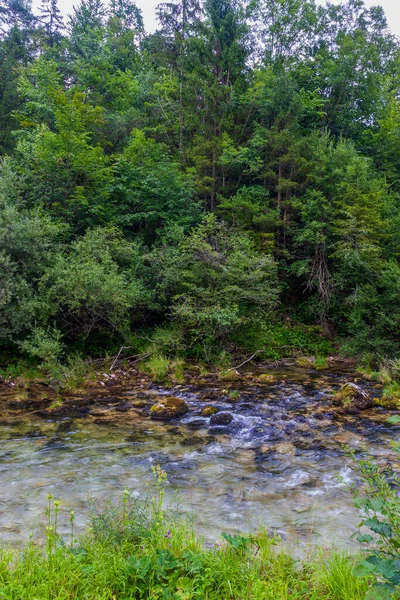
(138,550)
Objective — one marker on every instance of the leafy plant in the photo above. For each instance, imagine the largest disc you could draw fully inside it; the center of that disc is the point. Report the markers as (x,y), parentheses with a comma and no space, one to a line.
(380,505)
(45,345)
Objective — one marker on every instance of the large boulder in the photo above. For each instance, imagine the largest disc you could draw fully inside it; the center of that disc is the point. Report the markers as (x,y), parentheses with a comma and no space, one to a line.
(353,398)
(169,408)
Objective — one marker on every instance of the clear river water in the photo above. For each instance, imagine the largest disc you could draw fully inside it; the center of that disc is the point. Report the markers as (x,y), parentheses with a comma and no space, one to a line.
(280,463)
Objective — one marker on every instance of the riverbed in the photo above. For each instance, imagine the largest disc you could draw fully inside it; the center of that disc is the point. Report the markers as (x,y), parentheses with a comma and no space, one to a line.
(281,462)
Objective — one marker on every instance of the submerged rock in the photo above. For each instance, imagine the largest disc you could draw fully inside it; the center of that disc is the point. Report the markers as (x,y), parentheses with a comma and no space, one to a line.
(169,408)
(222,418)
(285,448)
(353,398)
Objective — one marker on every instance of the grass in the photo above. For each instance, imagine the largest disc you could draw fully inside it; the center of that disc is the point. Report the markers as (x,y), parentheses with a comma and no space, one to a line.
(157,367)
(135,550)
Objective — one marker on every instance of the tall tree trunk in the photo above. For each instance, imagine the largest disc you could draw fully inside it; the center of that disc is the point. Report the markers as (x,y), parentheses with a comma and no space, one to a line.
(181,76)
(213,198)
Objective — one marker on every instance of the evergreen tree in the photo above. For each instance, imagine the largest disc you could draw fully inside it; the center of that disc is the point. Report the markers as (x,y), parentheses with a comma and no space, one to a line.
(51,21)
(17,14)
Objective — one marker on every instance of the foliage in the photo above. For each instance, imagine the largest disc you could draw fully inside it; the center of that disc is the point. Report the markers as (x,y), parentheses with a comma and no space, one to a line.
(44,345)
(29,241)
(157,366)
(380,507)
(218,282)
(96,284)
(233,173)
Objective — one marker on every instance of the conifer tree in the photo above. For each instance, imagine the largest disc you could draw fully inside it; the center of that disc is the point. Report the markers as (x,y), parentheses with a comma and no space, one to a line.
(52,21)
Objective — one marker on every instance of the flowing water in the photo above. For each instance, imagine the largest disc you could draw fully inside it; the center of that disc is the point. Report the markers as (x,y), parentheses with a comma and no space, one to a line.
(279,463)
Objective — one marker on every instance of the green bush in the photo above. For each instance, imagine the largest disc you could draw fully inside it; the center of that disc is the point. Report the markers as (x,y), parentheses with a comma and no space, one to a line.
(95,285)
(216,283)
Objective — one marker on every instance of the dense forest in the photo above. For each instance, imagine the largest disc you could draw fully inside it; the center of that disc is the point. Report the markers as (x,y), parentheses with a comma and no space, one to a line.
(229,184)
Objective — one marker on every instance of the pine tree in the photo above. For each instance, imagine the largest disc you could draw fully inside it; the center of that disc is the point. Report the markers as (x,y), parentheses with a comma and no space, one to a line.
(52,21)
(16,13)
(176,20)
(86,25)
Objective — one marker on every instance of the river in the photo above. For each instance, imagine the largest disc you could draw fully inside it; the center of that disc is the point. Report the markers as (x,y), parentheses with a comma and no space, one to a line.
(280,463)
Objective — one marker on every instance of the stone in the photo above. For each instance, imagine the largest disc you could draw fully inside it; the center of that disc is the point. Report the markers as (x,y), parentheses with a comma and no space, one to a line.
(169,408)
(222,418)
(285,448)
(265,378)
(305,362)
(353,398)
(139,404)
(209,411)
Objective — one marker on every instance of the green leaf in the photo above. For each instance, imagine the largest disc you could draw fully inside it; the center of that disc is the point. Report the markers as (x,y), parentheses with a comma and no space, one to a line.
(365,539)
(379,593)
(379,527)
(363,568)
(236,541)
(394,420)
(387,568)
(375,504)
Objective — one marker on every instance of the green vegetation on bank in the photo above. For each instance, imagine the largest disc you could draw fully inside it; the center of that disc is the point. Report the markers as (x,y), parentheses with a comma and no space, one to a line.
(379,530)
(136,550)
(227,185)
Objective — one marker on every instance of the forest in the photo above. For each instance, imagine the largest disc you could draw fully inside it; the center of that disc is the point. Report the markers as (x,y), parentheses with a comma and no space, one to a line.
(227,185)
(199,301)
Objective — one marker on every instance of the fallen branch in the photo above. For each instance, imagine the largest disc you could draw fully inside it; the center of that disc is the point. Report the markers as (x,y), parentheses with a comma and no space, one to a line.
(245,362)
(139,358)
(118,355)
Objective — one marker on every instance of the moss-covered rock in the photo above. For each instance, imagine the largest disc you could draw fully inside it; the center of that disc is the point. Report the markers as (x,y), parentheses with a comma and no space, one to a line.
(209,411)
(305,362)
(265,378)
(353,398)
(169,408)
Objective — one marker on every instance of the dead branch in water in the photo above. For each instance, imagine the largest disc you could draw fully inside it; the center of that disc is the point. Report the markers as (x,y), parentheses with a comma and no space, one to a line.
(245,362)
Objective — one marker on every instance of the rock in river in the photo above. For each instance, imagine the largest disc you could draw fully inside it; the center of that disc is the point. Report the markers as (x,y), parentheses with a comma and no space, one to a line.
(169,408)
(222,418)
(353,398)
(209,411)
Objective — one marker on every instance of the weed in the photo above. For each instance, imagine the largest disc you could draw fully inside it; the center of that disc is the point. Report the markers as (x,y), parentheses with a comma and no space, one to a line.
(321,362)
(177,371)
(157,366)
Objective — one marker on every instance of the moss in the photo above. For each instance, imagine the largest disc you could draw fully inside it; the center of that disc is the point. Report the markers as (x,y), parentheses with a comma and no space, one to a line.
(231,375)
(352,397)
(265,378)
(209,411)
(169,408)
(306,362)
(390,397)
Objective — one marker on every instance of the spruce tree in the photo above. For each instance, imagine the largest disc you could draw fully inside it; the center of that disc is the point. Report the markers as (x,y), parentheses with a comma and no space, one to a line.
(52,21)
